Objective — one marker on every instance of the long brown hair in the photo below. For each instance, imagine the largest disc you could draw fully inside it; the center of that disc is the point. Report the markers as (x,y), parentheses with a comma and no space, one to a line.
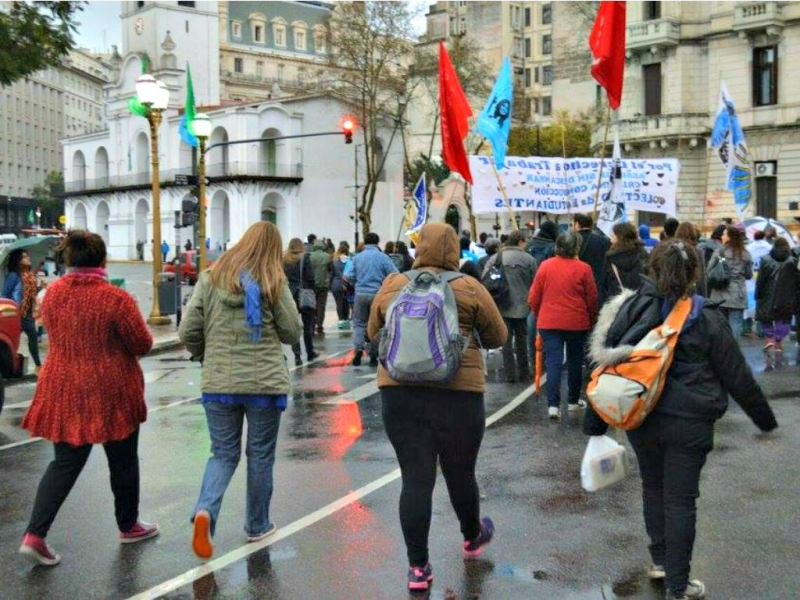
(294,251)
(687,232)
(627,237)
(735,240)
(673,265)
(342,250)
(258,253)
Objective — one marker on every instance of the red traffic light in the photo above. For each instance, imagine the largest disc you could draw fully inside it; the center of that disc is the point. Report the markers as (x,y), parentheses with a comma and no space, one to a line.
(348,125)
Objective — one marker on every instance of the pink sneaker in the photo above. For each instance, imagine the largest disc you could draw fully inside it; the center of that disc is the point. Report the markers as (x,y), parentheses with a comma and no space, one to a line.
(137,533)
(37,550)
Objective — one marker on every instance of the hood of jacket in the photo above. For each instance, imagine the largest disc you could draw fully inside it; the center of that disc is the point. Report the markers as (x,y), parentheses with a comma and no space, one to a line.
(628,259)
(644,232)
(438,247)
(780,254)
(231,299)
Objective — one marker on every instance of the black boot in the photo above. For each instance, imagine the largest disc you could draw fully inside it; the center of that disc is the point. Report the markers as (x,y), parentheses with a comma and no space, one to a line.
(357,358)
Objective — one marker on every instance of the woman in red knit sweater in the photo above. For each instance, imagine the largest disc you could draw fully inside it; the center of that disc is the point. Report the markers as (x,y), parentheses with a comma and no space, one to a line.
(90,391)
(564,299)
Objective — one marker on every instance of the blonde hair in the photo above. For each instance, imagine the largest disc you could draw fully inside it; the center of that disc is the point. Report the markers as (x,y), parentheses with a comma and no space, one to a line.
(258,253)
(294,252)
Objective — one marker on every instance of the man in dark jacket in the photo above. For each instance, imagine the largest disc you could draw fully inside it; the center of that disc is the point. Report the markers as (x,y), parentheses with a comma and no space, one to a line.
(321,263)
(593,250)
(673,441)
(520,269)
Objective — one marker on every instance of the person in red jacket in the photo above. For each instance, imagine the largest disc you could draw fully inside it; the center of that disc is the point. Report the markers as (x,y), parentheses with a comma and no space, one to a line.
(564,299)
(90,391)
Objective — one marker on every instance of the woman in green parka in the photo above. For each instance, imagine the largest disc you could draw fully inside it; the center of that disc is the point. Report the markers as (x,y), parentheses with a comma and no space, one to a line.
(240,314)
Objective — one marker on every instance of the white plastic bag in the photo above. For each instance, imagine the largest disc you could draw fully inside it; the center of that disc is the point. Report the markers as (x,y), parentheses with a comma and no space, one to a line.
(603,463)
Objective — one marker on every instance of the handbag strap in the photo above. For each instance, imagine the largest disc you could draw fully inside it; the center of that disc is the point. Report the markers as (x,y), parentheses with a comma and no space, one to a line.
(616,274)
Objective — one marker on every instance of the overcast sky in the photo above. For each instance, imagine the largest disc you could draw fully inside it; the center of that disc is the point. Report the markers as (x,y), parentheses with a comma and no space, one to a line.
(100,24)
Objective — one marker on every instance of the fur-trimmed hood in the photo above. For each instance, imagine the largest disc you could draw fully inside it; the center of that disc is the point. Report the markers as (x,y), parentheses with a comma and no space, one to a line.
(599,353)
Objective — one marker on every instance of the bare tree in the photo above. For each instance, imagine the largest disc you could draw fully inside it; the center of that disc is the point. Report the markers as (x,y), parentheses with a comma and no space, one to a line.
(371,46)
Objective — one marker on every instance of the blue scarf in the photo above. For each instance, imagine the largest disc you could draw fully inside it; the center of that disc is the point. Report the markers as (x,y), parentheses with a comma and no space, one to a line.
(252,305)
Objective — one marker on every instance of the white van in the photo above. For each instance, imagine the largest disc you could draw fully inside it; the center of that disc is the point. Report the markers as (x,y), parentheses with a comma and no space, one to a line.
(7,239)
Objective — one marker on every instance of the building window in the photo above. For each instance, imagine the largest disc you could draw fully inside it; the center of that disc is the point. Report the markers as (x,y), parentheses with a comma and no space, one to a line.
(536,74)
(547,14)
(186,4)
(518,47)
(527,47)
(547,75)
(527,78)
(236,29)
(652,10)
(547,106)
(280,35)
(299,40)
(281,70)
(652,89)
(260,68)
(527,17)
(547,44)
(301,76)
(238,65)
(258,34)
(140,4)
(319,42)
(765,76)
(767,189)
(652,219)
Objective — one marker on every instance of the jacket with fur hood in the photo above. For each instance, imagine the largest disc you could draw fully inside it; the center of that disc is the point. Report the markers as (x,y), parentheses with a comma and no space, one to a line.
(708,364)
(438,251)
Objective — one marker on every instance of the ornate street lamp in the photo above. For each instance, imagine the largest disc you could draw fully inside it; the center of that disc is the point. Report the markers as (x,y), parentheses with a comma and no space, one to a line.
(155,96)
(202,131)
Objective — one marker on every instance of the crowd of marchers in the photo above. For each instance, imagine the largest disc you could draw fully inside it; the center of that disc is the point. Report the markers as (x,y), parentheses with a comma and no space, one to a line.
(562,292)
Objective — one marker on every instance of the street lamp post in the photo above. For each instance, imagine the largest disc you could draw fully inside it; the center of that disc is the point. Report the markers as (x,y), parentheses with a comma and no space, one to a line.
(38,217)
(202,131)
(155,96)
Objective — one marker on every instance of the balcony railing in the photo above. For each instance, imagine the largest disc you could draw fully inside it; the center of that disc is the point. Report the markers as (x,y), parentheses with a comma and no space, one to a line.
(263,80)
(215,170)
(660,126)
(648,34)
(758,16)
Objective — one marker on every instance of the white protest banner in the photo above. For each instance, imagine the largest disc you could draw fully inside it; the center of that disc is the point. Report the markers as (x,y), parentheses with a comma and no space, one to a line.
(568,185)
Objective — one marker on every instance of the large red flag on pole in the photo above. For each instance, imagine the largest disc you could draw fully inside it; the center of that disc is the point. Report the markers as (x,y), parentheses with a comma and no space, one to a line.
(455,113)
(607,42)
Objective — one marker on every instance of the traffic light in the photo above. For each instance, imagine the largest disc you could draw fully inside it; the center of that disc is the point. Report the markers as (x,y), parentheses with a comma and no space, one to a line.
(188,212)
(348,126)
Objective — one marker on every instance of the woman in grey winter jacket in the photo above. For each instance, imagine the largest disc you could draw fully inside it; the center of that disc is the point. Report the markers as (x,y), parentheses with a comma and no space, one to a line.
(740,267)
(240,314)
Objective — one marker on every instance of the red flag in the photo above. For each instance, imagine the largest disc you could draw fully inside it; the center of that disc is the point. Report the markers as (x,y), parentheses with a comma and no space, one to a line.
(455,113)
(607,42)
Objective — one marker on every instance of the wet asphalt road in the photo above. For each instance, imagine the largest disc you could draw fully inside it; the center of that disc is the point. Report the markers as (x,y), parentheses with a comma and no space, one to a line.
(336,495)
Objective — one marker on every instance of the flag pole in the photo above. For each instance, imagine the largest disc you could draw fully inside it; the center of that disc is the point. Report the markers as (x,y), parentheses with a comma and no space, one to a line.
(602,160)
(505,197)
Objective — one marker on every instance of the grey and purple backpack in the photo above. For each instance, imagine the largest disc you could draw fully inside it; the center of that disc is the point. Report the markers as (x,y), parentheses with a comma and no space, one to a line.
(421,341)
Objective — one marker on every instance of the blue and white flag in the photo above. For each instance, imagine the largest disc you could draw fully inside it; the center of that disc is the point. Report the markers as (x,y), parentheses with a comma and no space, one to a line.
(419,204)
(727,138)
(612,207)
(494,122)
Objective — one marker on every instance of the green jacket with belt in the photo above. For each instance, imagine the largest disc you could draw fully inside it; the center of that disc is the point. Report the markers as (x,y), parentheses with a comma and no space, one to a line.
(215,332)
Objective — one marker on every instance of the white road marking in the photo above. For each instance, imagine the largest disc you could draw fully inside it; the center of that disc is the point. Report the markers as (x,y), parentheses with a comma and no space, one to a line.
(152,410)
(297,526)
(354,395)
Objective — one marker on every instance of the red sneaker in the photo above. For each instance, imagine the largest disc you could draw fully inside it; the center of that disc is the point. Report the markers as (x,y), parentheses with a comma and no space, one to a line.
(37,550)
(137,533)
(201,537)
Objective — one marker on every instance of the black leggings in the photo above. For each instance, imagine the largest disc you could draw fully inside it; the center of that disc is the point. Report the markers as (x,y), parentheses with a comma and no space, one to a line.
(308,318)
(423,425)
(63,472)
(342,305)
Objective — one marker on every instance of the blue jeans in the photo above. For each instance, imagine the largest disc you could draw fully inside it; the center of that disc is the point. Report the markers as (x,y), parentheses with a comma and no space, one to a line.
(736,321)
(361,309)
(225,427)
(553,342)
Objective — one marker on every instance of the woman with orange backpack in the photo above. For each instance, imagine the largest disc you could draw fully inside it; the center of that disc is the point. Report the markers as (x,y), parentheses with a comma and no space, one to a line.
(672,443)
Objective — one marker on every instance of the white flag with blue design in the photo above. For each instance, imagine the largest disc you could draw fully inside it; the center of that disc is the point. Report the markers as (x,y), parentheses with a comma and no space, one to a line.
(612,208)
(419,201)
(727,138)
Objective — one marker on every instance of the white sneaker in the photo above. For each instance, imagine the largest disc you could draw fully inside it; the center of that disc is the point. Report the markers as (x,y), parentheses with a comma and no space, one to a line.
(579,405)
(656,572)
(695,590)
(553,412)
(261,536)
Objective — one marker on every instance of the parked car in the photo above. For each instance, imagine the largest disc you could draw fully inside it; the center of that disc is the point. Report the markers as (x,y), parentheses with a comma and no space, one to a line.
(189,265)
(12,363)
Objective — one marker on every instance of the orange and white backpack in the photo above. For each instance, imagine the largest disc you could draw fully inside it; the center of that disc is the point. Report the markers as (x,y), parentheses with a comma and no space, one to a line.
(623,394)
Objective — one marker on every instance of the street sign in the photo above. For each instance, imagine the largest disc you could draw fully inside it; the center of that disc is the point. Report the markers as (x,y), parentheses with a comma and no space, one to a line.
(62,220)
(185,179)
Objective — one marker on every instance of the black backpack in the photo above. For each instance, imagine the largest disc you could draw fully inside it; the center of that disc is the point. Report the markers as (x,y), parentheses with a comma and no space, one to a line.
(496,283)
